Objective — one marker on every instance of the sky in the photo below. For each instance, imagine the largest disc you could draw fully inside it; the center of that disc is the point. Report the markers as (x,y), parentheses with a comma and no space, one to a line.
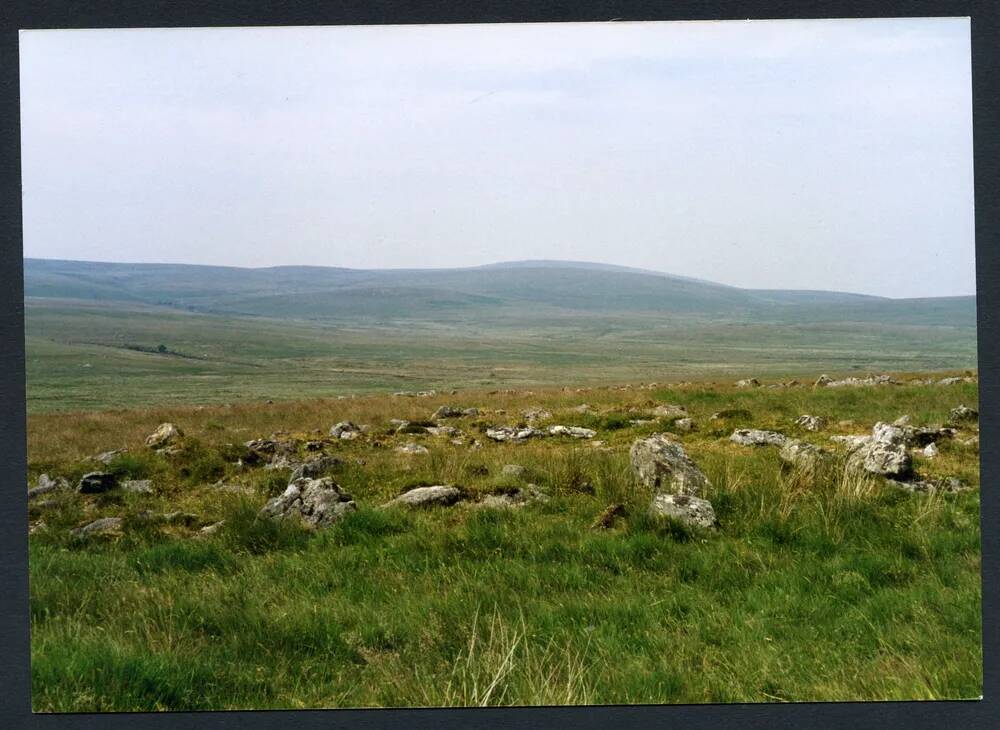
(830,154)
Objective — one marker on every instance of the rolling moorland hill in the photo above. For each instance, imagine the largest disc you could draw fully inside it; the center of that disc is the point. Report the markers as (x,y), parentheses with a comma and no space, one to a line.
(532,290)
(102,335)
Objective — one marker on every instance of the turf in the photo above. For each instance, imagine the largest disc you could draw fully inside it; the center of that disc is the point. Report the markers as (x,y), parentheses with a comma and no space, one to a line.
(831,588)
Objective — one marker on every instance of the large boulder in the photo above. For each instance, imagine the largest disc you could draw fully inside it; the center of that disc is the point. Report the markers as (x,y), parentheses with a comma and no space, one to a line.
(165,435)
(316,503)
(685,508)
(97,482)
(756,437)
(439,495)
(661,464)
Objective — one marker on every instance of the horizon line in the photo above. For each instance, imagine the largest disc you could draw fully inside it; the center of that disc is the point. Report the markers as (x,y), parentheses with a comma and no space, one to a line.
(511,262)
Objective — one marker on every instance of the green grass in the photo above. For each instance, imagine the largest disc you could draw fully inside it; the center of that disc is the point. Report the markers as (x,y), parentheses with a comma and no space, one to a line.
(812,589)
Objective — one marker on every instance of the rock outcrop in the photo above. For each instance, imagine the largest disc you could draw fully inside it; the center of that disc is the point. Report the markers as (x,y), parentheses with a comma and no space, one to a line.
(577,432)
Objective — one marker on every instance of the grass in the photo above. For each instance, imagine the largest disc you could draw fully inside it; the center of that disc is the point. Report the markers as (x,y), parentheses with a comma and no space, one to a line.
(823,587)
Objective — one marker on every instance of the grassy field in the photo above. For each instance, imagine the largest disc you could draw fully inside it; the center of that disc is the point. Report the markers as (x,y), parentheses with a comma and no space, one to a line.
(831,588)
(84,355)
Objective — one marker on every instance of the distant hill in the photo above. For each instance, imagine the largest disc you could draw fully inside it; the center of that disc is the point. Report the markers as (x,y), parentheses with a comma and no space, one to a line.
(503,293)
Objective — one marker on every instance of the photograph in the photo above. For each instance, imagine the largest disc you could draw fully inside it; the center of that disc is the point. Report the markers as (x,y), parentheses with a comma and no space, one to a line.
(500,364)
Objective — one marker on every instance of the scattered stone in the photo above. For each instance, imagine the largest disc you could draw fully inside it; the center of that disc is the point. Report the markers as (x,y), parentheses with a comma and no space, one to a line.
(684,424)
(852,441)
(345,430)
(930,451)
(470,411)
(316,502)
(929,486)
(177,518)
(756,437)
(858,382)
(514,498)
(447,412)
(748,383)
(811,423)
(963,414)
(886,433)
(46,485)
(535,414)
(106,457)
(640,421)
(661,464)
(514,471)
(139,486)
(606,520)
(670,411)
(822,381)
(221,486)
(577,432)
(411,449)
(510,433)
(685,508)
(314,445)
(902,421)
(879,457)
(314,468)
(445,431)
(950,381)
(37,527)
(211,529)
(262,446)
(803,456)
(101,526)
(165,435)
(427,496)
(96,482)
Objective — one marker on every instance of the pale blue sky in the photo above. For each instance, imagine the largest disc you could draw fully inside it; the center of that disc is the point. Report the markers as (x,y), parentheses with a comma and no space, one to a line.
(779,154)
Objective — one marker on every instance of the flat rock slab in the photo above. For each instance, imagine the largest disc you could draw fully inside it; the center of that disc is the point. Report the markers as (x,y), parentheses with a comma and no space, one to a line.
(106,457)
(514,498)
(46,485)
(661,464)
(101,526)
(443,496)
(577,432)
(317,503)
(513,434)
(670,411)
(756,437)
(930,486)
(685,508)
